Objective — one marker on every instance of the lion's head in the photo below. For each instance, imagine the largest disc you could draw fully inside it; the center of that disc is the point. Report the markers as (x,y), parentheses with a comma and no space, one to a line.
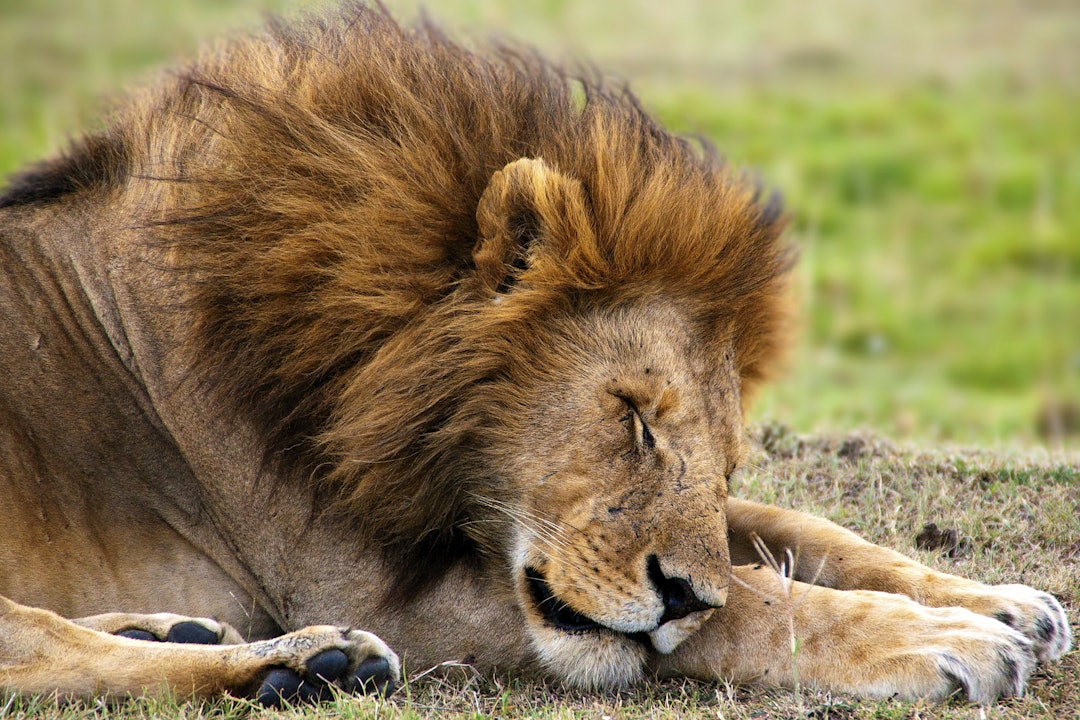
(611,434)
(494,309)
(599,411)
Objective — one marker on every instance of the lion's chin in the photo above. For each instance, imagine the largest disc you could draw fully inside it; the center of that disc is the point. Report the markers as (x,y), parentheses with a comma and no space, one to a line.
(576,649)
(592,660)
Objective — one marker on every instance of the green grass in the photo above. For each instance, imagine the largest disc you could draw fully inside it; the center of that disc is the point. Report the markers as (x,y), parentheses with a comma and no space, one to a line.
(929,154)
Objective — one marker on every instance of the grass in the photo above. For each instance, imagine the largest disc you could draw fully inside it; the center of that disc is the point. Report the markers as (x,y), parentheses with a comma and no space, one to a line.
(930,156)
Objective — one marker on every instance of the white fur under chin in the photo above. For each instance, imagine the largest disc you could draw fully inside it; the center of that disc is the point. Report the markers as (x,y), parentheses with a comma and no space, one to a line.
(590,660)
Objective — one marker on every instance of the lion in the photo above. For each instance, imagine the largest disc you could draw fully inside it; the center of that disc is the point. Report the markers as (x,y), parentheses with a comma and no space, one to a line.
(346,338)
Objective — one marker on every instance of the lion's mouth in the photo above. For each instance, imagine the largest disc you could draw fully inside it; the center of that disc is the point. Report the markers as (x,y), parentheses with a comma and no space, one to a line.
(558,613)
(665,637)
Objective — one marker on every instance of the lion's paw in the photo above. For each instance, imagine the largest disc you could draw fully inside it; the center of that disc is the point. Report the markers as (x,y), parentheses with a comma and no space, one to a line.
(979,656)
(913,652)
(322,660)
(164,627)
(1038,615)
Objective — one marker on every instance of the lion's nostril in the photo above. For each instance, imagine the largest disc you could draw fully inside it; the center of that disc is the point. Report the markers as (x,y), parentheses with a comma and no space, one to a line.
(678,597)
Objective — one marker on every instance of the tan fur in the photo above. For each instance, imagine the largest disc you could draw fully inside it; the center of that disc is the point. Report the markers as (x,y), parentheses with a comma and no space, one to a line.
(81,661)
(349,324)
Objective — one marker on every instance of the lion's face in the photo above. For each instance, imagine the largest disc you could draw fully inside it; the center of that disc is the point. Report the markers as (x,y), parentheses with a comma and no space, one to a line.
(613,428)
(617,459)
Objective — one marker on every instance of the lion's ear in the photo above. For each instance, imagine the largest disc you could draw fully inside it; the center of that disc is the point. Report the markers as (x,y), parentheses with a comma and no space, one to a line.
(527,210)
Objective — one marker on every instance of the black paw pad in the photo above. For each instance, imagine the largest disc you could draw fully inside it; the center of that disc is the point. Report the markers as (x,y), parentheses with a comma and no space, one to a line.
(192,633)
(373,676)
(136,634)
(283,685)
(328,666)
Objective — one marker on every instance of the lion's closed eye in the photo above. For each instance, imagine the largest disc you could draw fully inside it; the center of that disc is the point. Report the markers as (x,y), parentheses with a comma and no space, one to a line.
(639,429)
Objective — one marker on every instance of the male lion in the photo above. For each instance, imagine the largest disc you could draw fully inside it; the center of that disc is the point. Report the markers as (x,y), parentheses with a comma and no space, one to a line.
(347,324)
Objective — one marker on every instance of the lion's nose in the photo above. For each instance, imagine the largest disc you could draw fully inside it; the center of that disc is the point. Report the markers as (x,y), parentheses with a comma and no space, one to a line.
(678,596)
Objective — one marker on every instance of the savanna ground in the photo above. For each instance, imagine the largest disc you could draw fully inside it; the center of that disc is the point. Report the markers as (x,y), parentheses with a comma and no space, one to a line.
(930,156)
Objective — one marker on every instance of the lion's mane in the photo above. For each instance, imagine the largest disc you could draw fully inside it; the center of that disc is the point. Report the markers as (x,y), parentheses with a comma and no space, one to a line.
(318,187)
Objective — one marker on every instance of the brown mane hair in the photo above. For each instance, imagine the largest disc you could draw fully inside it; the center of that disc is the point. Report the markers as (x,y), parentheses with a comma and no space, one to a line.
(319,185)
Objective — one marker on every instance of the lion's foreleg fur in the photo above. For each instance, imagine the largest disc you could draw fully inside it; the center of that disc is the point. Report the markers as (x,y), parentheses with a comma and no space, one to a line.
(40,652)
(869,643)
(852,616)
(829,555)
(826,554)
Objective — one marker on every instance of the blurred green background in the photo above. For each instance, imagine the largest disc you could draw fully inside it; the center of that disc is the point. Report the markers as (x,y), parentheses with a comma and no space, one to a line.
(929,153)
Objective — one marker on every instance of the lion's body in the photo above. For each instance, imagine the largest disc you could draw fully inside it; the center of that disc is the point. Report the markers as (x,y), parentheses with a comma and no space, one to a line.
(302,338)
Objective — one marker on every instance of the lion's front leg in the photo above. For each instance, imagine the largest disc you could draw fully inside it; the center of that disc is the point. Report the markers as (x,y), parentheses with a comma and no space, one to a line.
(831,556)
(863,642)
(40,652)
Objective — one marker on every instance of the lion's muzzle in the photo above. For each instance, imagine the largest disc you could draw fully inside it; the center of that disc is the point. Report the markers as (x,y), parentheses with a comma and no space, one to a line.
(683,611)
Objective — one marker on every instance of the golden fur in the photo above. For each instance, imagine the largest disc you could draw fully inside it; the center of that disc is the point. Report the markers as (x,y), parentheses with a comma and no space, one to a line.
(380,331)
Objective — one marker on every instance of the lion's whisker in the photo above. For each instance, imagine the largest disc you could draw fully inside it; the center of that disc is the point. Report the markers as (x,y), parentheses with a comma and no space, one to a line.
(552,537)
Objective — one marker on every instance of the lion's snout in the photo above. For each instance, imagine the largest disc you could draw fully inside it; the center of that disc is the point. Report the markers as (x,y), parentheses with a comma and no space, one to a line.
(677,594)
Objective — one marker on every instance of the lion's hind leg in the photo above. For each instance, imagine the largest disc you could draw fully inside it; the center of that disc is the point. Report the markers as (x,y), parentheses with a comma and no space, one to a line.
(164,627)
(42,653)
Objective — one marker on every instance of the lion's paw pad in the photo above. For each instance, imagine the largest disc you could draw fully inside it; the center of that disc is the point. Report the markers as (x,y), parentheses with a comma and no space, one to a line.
(137,634)
(193,632)
(165,627)
(325,670)
(374,675)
